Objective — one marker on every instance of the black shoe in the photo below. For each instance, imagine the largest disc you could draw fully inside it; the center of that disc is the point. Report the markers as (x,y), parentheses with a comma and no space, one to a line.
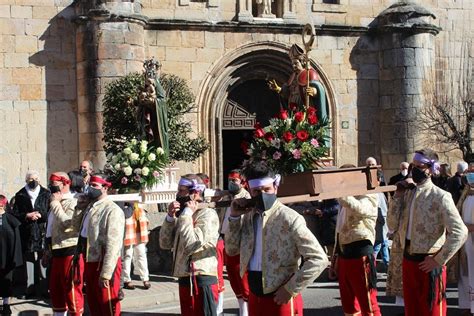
(146,285)
(21,297)
(128,286)
(5,309)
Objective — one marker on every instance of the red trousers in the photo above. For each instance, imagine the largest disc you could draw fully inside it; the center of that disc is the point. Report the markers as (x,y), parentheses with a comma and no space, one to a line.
(192,305)
(264,306)
(220,265)
(356,298)
(66,295)
(416,284)
(102,301)
(239,285)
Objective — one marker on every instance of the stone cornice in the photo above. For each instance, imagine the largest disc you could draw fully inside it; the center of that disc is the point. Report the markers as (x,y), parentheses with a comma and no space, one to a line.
(407,29)
(252,27)
(238,27)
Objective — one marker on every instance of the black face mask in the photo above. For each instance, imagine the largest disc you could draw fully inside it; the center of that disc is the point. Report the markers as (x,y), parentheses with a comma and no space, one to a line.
(54,188)
(264,201)
(418,175)
(84,172)
(33,184)
(94,193)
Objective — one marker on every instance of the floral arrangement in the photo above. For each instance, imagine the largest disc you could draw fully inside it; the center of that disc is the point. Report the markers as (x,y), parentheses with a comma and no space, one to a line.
(293,141)
(136,167)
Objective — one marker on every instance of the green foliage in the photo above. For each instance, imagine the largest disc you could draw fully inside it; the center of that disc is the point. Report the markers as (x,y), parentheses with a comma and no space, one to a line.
(120,113)
(121,123)
(180,102)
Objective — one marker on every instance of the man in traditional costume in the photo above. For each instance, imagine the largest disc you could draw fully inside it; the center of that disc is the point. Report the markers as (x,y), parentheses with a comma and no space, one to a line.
(354,254)
(239,284)
(192,235)
(466,268)
(62,232)
(10,254)
(271,238)
(103,227)
(430,231)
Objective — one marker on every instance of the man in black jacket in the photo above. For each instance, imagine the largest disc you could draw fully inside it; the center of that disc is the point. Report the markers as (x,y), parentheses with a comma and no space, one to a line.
(399,176)
(30,207)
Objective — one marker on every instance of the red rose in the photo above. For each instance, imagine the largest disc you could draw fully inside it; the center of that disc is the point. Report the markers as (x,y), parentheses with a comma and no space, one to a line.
(287,136)
(259,133)
(283,114)
(292,106)
(257,125)
(311,110)
(299,116)
(302,135)
(312,119)
(269,136)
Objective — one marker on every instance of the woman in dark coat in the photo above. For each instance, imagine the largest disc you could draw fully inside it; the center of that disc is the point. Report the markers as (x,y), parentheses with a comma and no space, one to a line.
(30,207)
(10,253)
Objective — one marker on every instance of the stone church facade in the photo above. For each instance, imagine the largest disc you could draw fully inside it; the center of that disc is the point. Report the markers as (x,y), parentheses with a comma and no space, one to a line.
(378,60)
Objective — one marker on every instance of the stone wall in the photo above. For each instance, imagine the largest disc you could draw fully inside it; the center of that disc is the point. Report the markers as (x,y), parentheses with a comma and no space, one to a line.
(38,109)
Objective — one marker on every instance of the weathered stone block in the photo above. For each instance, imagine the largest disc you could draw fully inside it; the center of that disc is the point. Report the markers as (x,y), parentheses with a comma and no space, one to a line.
(16,60)
(111,37)
(111,68)
(192,39)
(181,69)
(30,75)
(180,54)
(214,40)
(5,76)
(199,70)
(21,106)
(26,44)
(36,27)
(44,12)
(134,38)
(12,26)
(168,38)
(23,12)
(5,11)
(154,51)
(134,66)
(9,92)
(31,92)
(412,86)
(209,54)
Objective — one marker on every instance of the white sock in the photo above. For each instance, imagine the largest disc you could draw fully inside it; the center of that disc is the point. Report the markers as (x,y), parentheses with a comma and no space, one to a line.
(60,313)
(243,307)
(6,301)
(220,303)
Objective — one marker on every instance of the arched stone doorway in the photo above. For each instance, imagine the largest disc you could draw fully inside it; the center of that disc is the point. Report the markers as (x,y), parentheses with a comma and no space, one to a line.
(240,77)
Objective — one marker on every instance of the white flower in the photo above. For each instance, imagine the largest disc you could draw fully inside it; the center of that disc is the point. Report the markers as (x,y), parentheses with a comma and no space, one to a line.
(134,156)
(144,143)
(151,157)
(114,159)
(117,167)
(133,141)
(145,171)
(124,164)
(160,151)
(127,171)
(143,149)
(276,143)
(127,151)
(137,171)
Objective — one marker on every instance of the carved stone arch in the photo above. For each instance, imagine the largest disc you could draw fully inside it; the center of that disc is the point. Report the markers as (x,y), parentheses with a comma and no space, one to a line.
(258,60)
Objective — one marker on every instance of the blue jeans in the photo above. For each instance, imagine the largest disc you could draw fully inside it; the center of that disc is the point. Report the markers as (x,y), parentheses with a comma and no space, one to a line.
(382,245)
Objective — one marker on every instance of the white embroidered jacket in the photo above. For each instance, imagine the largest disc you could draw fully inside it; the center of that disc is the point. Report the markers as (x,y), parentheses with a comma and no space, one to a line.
(105,234)
(193,239)
(436,228)
(66,223)
(285,238)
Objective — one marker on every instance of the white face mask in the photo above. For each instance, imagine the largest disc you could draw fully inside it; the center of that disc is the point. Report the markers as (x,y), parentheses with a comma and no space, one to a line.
(404,172)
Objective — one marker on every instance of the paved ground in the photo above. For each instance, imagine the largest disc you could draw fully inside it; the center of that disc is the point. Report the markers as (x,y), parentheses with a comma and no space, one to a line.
(321,298)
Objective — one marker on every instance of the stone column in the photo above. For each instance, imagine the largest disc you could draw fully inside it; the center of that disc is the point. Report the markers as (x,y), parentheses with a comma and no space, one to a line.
(406,77)
(109,44)
(245,11)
